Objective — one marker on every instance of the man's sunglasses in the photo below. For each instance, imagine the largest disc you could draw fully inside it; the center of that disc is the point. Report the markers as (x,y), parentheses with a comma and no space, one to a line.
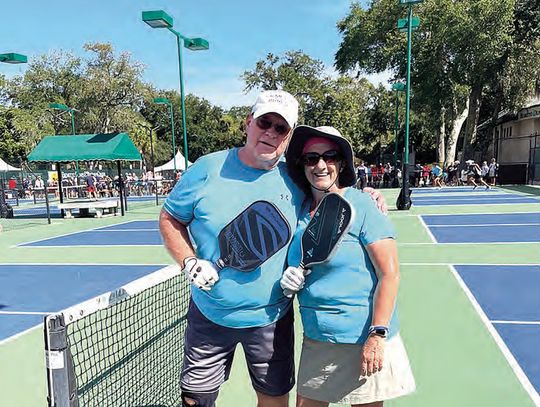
(265,124)
(329,157)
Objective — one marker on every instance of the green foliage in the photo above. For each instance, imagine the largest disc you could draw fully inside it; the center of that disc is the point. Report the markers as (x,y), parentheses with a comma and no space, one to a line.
(354,106)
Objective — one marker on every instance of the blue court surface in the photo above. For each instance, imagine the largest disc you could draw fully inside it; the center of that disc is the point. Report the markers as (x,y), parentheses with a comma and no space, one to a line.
(484,228)
(477,197)
(30,291)
(447,190)
(136,233)
(509,296)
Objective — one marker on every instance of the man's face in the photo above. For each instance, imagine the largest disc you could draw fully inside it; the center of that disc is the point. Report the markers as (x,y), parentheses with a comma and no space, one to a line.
(267,138)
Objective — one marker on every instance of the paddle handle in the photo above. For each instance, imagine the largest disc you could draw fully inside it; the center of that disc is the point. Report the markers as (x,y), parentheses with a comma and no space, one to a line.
(289,293)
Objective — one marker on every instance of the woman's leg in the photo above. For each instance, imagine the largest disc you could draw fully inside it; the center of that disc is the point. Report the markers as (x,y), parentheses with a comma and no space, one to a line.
(305,402)
(374,404)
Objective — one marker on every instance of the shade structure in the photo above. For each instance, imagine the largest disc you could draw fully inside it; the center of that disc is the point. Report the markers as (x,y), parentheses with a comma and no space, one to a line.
(5,167)
(169,166)
(86,147)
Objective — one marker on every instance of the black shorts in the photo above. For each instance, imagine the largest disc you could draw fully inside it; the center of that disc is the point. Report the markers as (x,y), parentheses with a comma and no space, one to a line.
(209,351)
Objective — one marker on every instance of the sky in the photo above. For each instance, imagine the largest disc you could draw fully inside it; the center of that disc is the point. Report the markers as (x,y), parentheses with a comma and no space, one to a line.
(240,33)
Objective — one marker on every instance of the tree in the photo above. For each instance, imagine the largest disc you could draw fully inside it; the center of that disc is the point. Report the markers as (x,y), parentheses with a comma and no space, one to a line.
(343,102)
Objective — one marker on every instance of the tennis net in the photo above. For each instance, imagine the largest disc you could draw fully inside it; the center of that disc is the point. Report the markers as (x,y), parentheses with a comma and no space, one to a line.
(122,348)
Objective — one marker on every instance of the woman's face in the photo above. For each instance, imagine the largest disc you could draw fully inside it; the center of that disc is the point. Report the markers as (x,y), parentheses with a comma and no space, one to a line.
(322,163)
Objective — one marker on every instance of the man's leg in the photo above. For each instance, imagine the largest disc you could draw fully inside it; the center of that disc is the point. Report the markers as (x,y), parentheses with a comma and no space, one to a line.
(208,354)
(269,354)
(264,400)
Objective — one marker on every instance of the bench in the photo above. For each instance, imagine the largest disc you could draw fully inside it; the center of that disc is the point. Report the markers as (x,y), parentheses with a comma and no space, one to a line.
(109,206)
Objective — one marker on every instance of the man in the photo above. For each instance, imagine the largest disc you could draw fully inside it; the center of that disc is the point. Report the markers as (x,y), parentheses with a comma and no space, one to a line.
(229,307)
(361,174)
(91,185)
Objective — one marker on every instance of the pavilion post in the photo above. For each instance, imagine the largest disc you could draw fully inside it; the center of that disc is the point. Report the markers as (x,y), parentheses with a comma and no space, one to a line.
(60,192)
(120,187)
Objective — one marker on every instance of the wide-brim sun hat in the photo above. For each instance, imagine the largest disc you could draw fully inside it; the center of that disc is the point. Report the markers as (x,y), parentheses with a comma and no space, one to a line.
(301,134)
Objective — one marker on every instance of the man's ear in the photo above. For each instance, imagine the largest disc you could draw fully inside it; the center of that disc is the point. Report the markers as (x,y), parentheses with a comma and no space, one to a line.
(249,119)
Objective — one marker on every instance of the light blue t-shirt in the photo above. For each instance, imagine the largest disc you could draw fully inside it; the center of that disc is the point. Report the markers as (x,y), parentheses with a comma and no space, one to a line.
(336,302)
(211,193)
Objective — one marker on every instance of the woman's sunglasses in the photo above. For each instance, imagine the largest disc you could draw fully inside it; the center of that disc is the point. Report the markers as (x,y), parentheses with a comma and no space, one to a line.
(329,157)
(265,124)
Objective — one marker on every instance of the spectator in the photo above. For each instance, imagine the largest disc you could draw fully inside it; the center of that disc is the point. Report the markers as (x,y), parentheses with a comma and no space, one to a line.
(493,171)
(361,174)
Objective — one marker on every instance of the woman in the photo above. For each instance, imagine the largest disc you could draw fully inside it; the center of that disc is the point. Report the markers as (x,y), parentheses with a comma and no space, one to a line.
(352,352)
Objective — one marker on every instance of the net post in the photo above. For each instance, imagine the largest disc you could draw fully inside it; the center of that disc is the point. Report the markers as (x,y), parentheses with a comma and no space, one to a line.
(61,384)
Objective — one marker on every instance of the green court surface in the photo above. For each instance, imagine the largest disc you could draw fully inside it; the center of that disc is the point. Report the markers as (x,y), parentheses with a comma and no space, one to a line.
(455,359)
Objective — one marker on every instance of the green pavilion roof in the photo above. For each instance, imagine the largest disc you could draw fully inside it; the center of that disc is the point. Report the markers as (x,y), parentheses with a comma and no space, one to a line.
(85,147)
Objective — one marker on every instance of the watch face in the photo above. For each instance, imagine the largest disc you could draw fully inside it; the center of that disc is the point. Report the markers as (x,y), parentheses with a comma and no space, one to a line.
(381,332)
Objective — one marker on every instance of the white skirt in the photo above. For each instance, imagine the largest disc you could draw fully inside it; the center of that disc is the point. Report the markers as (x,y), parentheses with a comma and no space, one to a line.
(331,372)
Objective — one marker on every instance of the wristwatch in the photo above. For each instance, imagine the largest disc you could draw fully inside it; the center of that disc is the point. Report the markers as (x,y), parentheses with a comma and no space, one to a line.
(378,330)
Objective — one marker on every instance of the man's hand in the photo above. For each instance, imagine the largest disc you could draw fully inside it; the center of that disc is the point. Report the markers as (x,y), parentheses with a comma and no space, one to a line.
(372,355)
(378,198)
(201,273)
(293,280)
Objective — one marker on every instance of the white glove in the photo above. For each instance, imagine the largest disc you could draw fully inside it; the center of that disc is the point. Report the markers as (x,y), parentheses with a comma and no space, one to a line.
(201,273)
(293,280)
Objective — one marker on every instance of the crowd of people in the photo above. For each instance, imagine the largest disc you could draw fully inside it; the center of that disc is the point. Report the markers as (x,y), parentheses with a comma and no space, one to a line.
(456,174)
(92,185)
(433,175)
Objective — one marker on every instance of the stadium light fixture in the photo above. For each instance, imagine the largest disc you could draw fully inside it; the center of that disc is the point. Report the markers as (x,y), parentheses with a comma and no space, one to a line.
(160,19)
(13,58)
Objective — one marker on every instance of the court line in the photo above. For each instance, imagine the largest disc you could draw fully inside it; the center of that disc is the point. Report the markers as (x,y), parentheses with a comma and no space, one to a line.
(516,322)
(469,264)
(459,214)
(121,230)
(520,374)
(433,240)
(24,313)
(85,264)
(88,245)
(17,335)
(70,233)
(484,225)
(454,243)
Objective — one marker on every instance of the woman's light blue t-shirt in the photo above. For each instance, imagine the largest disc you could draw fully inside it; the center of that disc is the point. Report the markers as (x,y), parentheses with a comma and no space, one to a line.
(336,302)
(211,193)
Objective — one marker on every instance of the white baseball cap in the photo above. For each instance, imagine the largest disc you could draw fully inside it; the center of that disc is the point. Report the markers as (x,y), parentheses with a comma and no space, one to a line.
(277,101)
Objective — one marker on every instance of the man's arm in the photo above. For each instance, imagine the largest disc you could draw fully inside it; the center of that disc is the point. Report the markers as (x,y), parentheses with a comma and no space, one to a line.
(175,237)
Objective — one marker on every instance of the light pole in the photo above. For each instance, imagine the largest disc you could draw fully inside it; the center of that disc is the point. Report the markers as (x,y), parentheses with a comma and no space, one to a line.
(397,87)
(165,101)
(160,19)
(405,201)
(60,106)
(64,108)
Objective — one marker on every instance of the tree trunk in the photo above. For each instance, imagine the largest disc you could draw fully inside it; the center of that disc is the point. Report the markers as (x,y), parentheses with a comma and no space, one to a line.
(441,134)
(454,134)
(472,119)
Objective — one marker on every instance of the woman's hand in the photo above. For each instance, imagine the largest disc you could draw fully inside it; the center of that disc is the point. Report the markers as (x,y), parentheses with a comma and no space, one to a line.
(372,355)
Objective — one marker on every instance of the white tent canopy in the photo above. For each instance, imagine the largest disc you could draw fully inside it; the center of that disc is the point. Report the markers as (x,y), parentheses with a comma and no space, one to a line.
(4,167)
(169,166)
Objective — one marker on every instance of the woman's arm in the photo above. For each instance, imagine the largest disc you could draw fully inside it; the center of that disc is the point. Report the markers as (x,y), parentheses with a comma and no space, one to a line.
(383,254)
